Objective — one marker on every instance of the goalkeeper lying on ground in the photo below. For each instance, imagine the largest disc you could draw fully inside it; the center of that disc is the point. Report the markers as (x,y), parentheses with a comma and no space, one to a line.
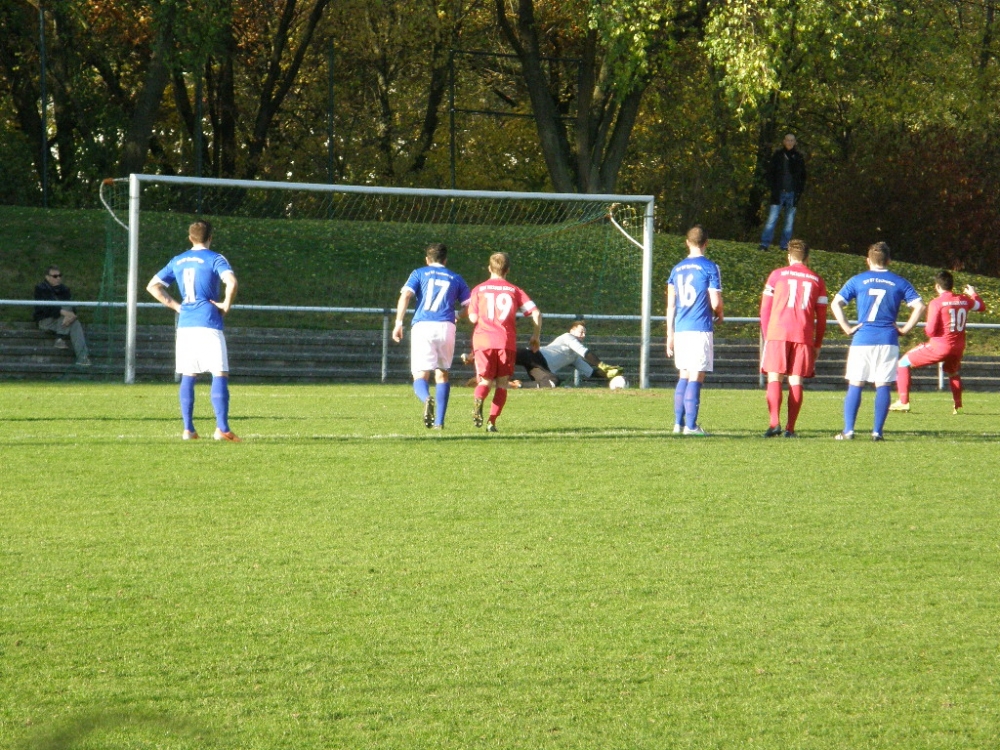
(565,351)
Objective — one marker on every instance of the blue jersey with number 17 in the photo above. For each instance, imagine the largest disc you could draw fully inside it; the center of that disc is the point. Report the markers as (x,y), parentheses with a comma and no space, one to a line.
(879,295)
(691,280)
(197,273)
(435,291)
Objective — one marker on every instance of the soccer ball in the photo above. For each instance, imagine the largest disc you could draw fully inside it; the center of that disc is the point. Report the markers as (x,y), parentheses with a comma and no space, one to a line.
(617,383)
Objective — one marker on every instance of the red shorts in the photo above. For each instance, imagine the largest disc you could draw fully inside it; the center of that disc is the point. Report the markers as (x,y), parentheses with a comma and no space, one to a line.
(789,358)
(931,353)
(495,363)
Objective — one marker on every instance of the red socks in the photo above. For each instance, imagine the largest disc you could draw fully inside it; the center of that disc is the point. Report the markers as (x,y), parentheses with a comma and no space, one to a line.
(794,405)
(499,399)
(903,384)
(774,401)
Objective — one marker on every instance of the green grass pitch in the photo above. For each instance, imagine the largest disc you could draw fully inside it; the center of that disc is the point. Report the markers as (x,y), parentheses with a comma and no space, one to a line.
(584,579)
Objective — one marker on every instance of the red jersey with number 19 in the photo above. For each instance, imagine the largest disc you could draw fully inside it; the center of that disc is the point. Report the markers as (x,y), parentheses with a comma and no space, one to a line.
(793,307)
(946,318)
(497,302)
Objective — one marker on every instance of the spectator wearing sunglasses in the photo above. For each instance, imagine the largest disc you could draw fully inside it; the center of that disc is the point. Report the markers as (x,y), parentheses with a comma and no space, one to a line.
(60,320)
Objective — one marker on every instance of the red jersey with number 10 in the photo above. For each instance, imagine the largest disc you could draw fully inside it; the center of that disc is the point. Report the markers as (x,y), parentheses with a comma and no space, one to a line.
(793,307)
(946,318)
(497,302)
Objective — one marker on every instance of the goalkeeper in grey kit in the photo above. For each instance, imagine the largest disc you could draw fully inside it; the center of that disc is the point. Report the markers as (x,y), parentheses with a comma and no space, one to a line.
(564,351)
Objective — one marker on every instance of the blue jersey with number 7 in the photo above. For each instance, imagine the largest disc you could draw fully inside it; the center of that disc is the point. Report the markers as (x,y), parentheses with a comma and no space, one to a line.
(691,279)
(435,291)
(879,295)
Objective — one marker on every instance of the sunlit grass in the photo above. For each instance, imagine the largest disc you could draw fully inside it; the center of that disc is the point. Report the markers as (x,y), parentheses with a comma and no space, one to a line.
(344,578)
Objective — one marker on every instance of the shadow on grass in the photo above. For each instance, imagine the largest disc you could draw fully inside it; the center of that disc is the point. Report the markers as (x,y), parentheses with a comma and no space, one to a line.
(72,732)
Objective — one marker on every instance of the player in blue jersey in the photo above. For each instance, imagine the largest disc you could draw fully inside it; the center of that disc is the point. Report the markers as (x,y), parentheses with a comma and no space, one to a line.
(694,303)
(201,344)
(437,293)
(879,294)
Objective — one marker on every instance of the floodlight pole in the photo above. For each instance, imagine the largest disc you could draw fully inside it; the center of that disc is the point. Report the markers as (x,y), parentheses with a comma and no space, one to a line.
(45,106)
(132,288)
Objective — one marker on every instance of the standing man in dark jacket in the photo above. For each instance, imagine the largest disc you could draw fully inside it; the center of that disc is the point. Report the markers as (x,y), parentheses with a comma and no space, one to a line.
(787,179)
(60,320)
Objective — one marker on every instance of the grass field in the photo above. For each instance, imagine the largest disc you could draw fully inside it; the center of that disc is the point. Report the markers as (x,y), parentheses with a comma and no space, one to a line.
(584,579)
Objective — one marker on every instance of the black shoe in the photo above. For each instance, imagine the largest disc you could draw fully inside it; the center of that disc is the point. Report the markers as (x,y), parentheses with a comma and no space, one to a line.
(763,248)
(877,437)
(490,427)
(773,432)
(477,412)
(789,434)
(429,412)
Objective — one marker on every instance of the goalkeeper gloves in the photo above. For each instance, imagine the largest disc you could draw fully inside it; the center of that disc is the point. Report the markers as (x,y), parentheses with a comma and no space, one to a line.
(610,371)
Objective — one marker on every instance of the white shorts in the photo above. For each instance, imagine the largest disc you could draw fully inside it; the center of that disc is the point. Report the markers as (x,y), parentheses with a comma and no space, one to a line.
(872,364)
(201,350)
(694,351)
(432,346)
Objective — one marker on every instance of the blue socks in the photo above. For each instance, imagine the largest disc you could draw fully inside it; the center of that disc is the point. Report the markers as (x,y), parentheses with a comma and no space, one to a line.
(679,392)
(441,393)
(187,401)
(883,397)
(422,388)
(692,400)
(852,402)
(220,402)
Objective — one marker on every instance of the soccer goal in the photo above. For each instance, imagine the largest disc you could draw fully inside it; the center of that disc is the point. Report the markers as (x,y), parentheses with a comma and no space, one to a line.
(333,257)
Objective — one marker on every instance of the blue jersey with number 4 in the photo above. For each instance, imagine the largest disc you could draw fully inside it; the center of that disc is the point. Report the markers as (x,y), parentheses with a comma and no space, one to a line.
(435,292)
(879,295)
(198,274)
(691,280)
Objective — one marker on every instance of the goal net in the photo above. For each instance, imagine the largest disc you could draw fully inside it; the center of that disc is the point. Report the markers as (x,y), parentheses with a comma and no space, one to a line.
(320,266)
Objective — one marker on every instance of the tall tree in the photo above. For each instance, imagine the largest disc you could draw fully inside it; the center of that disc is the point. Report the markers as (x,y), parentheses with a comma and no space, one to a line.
(584,123)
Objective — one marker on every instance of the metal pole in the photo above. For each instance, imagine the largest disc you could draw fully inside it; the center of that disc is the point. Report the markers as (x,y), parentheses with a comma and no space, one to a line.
(647,293)
(45,107)
(132,288)
(199,136)
(451,112)
(329,114)
(385,346)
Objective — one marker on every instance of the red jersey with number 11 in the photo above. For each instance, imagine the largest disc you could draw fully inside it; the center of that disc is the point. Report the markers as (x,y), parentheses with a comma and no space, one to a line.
(497,302)
(946,318)
(793,307)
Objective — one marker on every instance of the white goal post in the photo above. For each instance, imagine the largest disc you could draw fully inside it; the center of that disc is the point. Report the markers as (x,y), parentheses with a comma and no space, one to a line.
(638,220)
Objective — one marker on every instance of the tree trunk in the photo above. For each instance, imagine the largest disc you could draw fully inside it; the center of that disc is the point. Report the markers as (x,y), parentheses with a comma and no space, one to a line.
(136,146)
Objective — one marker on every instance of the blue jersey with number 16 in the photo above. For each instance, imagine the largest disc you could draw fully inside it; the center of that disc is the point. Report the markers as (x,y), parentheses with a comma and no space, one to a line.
(197,273)
(435,291)
(691,280)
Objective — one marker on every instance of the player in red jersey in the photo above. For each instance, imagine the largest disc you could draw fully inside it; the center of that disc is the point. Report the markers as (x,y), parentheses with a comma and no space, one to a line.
(793,322)
(946,318)
(493,310)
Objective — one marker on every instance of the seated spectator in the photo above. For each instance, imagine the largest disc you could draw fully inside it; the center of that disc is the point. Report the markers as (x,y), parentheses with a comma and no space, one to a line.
(60,320)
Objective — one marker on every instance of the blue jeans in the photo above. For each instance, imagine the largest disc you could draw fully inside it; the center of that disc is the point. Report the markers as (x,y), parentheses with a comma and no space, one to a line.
(787,203)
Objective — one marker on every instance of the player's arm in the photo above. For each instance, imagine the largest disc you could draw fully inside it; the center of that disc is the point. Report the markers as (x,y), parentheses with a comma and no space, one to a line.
(405,295)
(917,308)
(671,310)
(820,327)
(229,281)
(933,328)
(766,301)
(715,300)
(535,342)
(838,305)
(159,292)
(980,306)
